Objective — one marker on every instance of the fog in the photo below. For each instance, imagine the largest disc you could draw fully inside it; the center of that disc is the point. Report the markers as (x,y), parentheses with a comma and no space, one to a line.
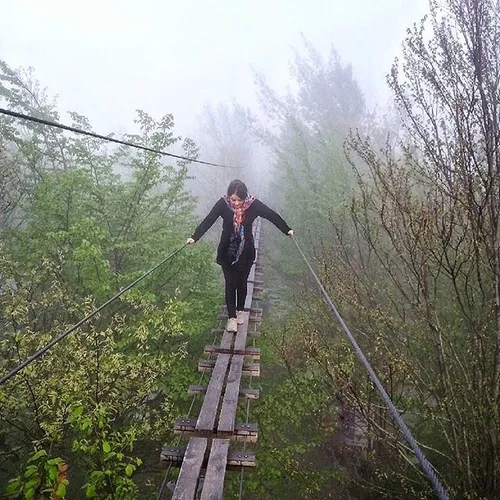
(107,59)
(200,61)
(384,178)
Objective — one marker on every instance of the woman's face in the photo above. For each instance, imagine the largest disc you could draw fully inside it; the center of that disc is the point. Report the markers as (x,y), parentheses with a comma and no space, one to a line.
(236,201)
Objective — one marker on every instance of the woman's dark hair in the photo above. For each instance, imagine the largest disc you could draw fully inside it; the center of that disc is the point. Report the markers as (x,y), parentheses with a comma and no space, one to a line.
(238,188)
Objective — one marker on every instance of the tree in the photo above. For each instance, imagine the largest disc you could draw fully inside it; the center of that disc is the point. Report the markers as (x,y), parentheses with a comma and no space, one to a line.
(94,220)
(449,98)
(415,268)
(11,192)
(307,134)
(225,138)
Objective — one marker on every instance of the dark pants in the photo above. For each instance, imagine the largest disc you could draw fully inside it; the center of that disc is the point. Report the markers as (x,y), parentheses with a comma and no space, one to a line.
(236,289)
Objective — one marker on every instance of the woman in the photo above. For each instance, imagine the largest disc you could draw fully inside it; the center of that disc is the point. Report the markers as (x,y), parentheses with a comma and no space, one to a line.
(236,251)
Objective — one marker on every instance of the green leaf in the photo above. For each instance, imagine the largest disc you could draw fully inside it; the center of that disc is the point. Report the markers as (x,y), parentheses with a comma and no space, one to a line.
(30,470)
(129,470)
(13,486)
(32,482)
(53,472)
(91,492)
(61,490)
(77,411)
(37,455)
(106,447)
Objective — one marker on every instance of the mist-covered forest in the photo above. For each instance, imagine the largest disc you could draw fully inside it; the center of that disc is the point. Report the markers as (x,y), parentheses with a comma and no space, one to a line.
(398,209)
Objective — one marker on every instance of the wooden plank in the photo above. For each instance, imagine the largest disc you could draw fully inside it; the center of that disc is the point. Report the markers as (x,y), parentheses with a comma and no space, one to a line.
(174,454)
(257,236)
(248,352)
(184,424)
(207,366)
(246,429)
(227,339)
(255,319)
(249,393)
(257,283)
(240,341)
(254,314)
(238,458)
(251,275)
(213,485)
(250,296)
(208,412)
(253,329)
(187,482)
(254,333)
(235,458)
(230,401)
(244,393)
(254,311)
(245,433)
(242,432)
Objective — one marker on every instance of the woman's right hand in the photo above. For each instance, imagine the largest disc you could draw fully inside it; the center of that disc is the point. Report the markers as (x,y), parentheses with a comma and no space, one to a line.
(189,241)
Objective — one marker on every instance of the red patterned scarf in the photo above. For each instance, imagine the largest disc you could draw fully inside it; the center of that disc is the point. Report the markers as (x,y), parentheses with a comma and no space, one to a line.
(238,228)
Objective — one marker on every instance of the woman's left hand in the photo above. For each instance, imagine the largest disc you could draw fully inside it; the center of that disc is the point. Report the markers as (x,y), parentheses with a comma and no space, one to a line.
(290,233)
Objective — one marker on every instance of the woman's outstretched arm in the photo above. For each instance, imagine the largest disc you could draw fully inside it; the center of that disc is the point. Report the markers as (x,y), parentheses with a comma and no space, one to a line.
(207,222)
(272,216)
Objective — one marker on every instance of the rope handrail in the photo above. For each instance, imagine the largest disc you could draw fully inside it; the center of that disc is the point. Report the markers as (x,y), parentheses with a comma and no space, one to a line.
(60,337)
(424,462)
(61,126)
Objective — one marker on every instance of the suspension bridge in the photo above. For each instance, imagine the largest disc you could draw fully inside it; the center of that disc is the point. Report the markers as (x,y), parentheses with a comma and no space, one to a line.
(208,454)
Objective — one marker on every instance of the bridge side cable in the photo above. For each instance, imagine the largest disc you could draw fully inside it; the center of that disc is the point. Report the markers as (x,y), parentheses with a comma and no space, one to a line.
(57,339)
(426,465)
(61,126)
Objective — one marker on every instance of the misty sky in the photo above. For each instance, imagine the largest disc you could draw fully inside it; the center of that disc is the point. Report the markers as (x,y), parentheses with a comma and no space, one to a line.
(107,58)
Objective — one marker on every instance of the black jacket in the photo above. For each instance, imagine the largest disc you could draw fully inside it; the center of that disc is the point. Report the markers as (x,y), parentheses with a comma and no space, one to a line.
(220,209)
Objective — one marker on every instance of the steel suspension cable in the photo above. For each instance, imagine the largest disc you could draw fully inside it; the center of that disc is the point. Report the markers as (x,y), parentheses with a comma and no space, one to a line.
(426,465)
(57,339)
(49,123)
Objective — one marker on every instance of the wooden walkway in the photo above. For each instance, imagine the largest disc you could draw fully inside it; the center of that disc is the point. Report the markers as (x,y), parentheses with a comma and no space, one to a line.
(208,454)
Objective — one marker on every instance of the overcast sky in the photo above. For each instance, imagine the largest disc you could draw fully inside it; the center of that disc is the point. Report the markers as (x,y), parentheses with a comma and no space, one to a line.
(107,58)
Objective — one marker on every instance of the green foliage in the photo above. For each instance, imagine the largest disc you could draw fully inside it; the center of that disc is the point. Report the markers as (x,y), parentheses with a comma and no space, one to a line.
(296,418)
(42,477)
(311,171)
(107,462)
(412,264)
(91,220)
(311,176)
